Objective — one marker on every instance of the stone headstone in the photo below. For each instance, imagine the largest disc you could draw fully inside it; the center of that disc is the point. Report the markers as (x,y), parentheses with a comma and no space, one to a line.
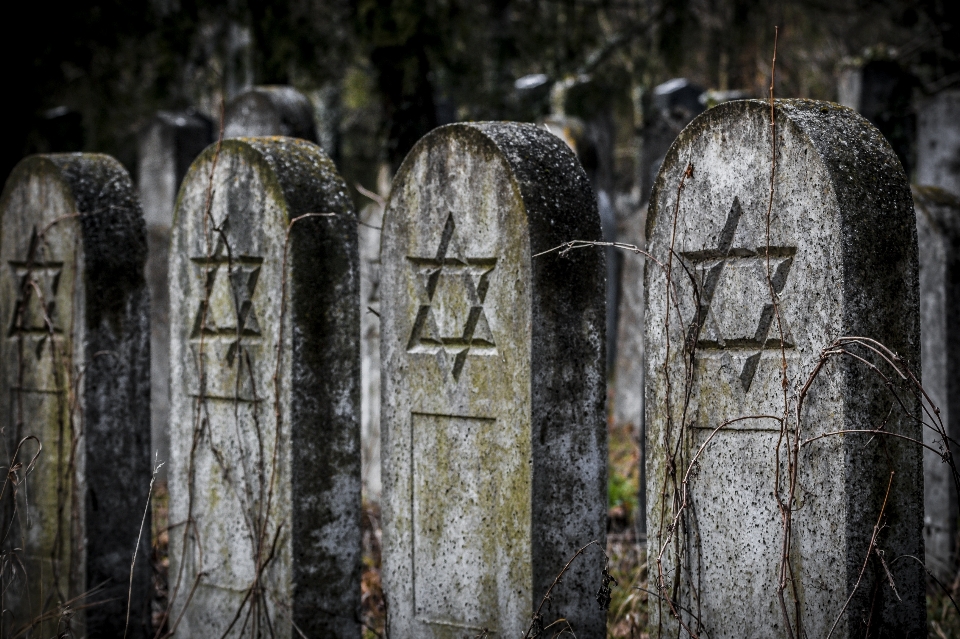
(270,110)
(74,365)
(494,437)
(265,394)
(938,235)
(371,221)
(882,92)
(628,367)
(842,262)
(168,144)
(674,103)
(938,142)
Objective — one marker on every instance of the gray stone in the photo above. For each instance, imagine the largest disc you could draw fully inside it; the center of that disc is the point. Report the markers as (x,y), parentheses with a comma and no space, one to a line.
(938,142)
(842,262)
(167,146)
(265,394)
(938,238)
(674,104)
(270,110)
(371,220)
(628,367)
(74,369)
(881,90)
(494,437)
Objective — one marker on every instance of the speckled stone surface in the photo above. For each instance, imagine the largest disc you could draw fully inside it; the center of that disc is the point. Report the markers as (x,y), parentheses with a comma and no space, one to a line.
(938,235)
(74,369)
(270,110)
(494,437)
(843,262)
(266,440)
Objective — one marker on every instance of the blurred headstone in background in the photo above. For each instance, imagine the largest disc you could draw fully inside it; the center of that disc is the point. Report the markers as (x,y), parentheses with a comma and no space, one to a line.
(57,130)
(166,147)
(938,142)
(881,90)
(672,106)
(270,110)
(938,238)
(368,232)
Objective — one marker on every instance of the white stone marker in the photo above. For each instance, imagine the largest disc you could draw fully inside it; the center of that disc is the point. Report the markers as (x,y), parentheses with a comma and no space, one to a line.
(494,437)
(167,146)
(74,378)
(938,238)
(842,262)
(266,451)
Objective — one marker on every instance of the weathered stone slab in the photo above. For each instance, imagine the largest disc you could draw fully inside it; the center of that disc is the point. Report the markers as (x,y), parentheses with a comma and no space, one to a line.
(628,376)
(369,240)
(938,238)
(938,142)
(270,110)
(494,437)
(265,359)
(168,144)
(74,368)
(842,262)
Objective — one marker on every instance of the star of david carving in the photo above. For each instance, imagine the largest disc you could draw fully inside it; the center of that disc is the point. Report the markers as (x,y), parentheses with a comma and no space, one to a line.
(32,311)
(451,322)
(735,311)
(226,310)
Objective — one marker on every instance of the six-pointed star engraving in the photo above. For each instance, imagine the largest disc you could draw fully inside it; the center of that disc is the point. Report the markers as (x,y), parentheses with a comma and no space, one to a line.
(735,311)
(452,287)
(226,311)
(37,281)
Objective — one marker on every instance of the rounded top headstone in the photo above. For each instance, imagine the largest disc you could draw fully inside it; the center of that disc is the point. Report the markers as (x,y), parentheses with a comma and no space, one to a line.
(268,111)
(765,251)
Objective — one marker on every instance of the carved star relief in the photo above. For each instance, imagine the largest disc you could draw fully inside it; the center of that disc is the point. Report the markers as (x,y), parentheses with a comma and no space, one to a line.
(736,312)
(32,309)
(451,322)
(226,311)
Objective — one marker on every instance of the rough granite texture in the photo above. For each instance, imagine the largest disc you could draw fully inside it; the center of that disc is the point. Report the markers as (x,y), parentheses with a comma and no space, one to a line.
(494,437)
(938,235)
(167,146)
(72,232)
(285,469)
(270,110)
(843,261)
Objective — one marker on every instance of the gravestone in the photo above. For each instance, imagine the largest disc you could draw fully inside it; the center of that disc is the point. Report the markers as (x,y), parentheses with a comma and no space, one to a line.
(839,259)
(270,110)
(938,142)
(265,394)
(167,145)
(74,365)
(628,377)
(371,221)
(494,437)
(938,235)
(673,104)
(882,91)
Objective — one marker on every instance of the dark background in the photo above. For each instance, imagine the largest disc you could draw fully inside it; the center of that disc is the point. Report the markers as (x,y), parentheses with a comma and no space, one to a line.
(88,75)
